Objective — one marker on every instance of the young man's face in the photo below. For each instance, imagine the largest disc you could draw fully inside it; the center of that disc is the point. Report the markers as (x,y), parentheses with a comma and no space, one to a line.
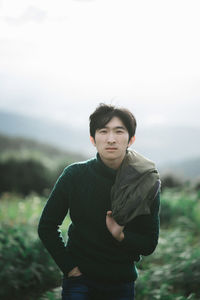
(112,141)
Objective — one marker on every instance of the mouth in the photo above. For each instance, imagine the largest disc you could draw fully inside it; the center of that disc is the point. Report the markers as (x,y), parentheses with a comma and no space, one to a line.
(111,149)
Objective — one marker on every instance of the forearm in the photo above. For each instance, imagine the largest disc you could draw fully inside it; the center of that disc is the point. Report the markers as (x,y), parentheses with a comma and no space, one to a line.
(53,241)
(52,217)
(141,235)
(140,243)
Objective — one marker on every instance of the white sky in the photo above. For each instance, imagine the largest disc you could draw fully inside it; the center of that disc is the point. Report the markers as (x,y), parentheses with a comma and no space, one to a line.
(59,59)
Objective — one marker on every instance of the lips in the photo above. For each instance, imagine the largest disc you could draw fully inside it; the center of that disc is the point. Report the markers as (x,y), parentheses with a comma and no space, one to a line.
(111,148)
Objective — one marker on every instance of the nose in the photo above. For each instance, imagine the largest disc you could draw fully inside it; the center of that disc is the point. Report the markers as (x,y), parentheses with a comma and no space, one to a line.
(111,138)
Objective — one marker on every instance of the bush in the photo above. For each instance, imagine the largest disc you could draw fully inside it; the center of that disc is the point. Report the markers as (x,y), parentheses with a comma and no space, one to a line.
(26,269)
(52,295)
(24,176)
(180,208)
(171,181)
(173,271)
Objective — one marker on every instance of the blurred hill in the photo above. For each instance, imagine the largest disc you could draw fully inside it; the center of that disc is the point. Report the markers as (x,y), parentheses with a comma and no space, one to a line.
(59,136)
(185,169)
(21,148)
(174,149)
(30,166)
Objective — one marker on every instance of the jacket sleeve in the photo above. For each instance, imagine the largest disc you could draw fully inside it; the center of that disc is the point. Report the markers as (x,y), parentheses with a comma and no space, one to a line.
(52,217)
(141,235)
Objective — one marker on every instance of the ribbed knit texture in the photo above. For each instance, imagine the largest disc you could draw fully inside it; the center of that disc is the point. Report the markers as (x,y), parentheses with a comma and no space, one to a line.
(83,189)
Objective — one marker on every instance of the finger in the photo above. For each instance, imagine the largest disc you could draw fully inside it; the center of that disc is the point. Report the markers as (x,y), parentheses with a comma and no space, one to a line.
(109,213)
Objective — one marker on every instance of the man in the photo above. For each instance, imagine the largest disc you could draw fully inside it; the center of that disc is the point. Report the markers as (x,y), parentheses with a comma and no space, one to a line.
(98,261)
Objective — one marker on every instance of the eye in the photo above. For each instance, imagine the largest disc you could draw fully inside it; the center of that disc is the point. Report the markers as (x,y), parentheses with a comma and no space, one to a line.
(103,131)
(119,131)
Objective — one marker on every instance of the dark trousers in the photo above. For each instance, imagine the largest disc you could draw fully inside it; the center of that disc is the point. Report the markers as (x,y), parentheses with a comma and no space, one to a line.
(83,288)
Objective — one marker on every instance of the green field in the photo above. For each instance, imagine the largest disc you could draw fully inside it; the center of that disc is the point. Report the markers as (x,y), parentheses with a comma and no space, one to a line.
(171,272)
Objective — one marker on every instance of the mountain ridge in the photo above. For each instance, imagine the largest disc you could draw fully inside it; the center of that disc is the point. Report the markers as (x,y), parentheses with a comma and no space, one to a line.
(167,146)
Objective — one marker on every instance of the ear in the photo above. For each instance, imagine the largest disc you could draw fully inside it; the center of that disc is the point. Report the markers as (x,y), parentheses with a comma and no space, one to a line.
(92,140)
(132,140)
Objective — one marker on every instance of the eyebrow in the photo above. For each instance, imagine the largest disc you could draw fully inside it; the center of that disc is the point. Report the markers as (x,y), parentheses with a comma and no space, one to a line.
(117,127)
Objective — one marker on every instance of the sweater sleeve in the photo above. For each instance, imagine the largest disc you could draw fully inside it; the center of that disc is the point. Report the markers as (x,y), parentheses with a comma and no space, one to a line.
(52,217)
(141,235)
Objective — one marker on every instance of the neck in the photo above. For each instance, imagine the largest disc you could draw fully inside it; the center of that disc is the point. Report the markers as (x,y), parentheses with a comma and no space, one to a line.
(113,164)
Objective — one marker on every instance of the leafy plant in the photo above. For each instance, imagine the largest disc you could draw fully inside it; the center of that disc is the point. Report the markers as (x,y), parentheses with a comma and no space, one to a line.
(181,208)
(173,270)
(25,266)
(26,269)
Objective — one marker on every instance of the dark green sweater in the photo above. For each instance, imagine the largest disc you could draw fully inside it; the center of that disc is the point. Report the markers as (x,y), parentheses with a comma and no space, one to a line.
(84,189)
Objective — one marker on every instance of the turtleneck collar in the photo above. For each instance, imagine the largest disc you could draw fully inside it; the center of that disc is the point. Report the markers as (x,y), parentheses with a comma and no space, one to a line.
(103,169)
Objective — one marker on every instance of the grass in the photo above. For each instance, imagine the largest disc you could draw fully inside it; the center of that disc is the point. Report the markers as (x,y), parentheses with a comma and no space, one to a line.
(16,209)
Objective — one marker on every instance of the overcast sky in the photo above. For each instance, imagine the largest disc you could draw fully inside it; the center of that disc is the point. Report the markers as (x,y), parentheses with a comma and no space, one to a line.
(59,59)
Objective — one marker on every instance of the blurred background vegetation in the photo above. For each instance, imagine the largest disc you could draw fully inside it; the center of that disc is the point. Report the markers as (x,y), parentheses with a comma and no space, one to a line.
(28,171)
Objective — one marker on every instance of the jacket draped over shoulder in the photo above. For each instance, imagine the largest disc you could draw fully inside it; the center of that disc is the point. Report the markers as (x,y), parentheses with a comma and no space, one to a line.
(136,186)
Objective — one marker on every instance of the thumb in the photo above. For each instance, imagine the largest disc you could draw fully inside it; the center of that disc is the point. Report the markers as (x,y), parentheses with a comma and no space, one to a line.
(109,213)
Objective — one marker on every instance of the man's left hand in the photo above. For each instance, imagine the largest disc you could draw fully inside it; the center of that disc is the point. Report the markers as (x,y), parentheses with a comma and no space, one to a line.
(115,229)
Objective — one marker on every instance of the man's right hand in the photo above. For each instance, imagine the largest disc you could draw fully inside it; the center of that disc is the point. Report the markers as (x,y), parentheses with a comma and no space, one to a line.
(74,272)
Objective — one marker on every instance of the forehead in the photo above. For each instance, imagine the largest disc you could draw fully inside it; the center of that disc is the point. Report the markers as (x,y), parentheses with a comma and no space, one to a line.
(115,122)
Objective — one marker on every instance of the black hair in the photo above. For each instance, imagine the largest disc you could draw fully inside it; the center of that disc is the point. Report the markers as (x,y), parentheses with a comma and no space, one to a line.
(104,113)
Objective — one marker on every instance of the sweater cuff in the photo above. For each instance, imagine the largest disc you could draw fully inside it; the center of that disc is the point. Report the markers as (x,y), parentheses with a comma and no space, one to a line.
(68,264)
(115,241)
(124,243)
